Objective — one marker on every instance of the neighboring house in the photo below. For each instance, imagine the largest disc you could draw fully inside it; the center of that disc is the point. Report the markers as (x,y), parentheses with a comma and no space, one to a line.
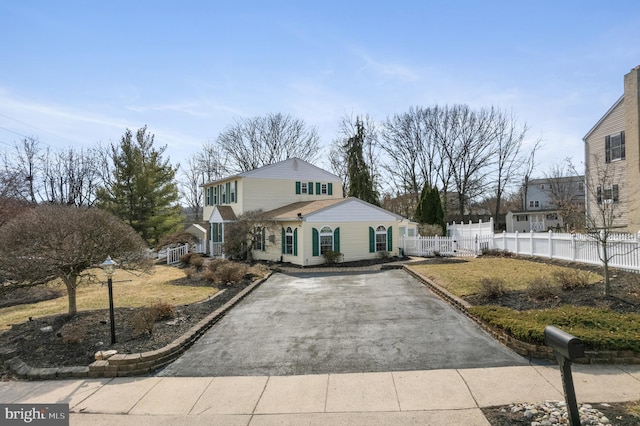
(310,213)
(612,158)
(541,198)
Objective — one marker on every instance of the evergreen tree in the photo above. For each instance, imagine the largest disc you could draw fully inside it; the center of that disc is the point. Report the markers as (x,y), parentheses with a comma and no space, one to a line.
(429,210)
(360,180)
(141,189)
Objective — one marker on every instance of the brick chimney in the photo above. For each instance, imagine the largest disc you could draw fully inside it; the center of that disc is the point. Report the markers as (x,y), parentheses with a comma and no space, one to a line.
(632,146)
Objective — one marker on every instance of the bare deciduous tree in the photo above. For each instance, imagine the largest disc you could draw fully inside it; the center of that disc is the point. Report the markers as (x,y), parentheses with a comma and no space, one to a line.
(70,177)
(260,141)
(605,207)
(247,230)
(203,167)
(566,193)
(53,241)
(509,137)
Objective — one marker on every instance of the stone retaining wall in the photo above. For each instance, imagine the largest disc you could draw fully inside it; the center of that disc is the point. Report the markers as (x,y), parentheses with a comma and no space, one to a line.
(525,349)
(122,365)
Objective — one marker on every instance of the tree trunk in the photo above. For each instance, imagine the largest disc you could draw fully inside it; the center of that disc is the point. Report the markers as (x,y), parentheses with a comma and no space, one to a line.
(71,283)
(605,264)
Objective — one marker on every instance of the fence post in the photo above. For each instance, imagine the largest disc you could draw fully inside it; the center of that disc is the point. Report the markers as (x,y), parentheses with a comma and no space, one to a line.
(550,244)
(531,242)
(573,247)
(504,240)
(637,265)
(517,243)
(476,248)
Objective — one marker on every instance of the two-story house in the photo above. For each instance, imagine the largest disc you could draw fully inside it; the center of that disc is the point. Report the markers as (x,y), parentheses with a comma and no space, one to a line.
(544,201)
(310,213)
(612,158)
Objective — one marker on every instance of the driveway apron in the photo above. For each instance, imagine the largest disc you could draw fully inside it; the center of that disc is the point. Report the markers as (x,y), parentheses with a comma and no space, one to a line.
(340,323)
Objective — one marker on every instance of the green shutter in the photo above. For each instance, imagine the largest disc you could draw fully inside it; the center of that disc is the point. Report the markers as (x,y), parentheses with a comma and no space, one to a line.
(263,239)
(235,190)
(372,240)
(389,239)
(330,188)
(336,240)
(310,186)
(295,242)
(298,188)
(318,188)
(315,240)
(284,240)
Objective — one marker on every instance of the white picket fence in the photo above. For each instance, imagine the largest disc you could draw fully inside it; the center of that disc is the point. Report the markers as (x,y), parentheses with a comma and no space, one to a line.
(174,254)
(623,249)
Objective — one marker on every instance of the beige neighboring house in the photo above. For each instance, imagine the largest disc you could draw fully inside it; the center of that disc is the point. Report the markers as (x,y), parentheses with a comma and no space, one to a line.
(310,213)
(612,147)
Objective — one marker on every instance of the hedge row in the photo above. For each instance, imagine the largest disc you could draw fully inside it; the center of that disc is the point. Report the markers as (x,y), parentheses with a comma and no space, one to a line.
(597,328)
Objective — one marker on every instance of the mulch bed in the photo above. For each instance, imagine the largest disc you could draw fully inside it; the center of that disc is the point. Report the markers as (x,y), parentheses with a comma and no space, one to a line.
(74,341)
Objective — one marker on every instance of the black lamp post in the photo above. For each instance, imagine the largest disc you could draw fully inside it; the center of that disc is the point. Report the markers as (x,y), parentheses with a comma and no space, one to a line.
(109,267)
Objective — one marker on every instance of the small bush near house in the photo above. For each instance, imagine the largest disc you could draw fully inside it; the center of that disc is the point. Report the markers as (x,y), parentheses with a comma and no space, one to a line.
(72,334)
(221,271)
(491,288)
(192,259)
(571,278)
(541,289)
(430,230)
(163,310)
(383,255)
(143,320)
(332,257)
(497,253)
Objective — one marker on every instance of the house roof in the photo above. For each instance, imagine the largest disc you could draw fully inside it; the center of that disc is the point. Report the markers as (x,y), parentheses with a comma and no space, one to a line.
(226,212)
(309,208)
(286,169)
(606,114)
(537,181)
(290,211)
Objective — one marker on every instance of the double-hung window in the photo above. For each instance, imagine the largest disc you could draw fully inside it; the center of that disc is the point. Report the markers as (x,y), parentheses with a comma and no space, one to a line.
(608,195)
(614,147)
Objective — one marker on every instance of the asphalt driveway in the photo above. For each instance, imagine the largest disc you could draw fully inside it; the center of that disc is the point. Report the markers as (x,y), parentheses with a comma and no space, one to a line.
(346,323)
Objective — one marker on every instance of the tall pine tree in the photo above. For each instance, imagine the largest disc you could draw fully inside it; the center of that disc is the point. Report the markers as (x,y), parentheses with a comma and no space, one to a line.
(360,180)
(429,210)
(142,189)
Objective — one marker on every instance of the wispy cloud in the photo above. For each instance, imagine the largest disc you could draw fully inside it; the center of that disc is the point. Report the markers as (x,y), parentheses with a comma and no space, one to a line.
(386,69)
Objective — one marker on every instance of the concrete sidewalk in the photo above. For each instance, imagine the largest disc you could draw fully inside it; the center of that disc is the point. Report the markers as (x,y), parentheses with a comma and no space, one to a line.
(433,397)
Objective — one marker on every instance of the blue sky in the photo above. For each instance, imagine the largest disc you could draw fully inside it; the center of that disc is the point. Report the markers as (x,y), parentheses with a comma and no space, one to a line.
(78,73)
